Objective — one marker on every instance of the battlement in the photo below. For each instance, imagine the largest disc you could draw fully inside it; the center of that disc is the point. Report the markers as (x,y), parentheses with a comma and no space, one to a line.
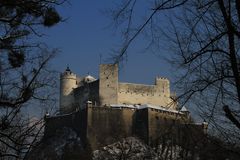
(68,74)
(163,78)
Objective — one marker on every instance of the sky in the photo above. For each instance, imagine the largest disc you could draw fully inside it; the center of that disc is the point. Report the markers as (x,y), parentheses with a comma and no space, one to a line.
(85,35)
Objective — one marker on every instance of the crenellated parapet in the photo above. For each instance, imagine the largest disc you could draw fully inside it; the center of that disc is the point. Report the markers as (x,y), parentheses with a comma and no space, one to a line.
(163,85)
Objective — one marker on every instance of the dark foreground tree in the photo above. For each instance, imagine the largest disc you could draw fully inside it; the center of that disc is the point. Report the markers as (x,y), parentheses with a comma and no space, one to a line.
(19,20)
(25,86)
(203,37)
(24,72)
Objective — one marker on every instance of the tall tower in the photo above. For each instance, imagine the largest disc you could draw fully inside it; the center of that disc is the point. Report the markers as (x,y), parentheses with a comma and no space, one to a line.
(163,86)
(108,85)
(68,81)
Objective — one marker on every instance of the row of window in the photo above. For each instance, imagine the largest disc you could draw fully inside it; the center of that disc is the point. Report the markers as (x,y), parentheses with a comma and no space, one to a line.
(143,94)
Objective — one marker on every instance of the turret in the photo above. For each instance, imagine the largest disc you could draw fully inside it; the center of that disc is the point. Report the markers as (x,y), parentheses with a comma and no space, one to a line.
(163,85)
(68,81)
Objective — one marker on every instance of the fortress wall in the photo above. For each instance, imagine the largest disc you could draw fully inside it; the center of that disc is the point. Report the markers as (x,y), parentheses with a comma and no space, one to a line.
(163,125)
(94,92)
(100,126)
(108,125)
(76,121)
(137,88)
(140,124)
(129,93)
(88,92)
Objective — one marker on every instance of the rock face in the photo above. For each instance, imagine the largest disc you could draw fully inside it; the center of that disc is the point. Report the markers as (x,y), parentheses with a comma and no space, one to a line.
(64,145)
(129,148)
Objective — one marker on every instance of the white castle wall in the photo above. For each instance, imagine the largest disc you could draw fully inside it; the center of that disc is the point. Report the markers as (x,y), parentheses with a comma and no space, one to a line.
(158,94)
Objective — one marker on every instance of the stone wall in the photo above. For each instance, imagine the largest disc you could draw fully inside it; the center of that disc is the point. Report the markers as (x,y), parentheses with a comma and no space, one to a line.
(164,124)
(100,126)
(87,92)
(129,93)
(107,125)
(76,121)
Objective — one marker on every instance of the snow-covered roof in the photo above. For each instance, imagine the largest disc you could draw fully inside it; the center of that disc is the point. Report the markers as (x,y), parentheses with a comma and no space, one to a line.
(60,115)
(89,78)
(143,107)
(184,109)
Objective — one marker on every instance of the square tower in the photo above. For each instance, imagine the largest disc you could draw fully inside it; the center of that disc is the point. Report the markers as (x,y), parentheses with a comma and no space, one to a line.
(108,84)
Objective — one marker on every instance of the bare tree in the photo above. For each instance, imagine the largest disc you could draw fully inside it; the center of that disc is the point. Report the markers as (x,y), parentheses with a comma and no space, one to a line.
(204,38)
(25,75)
(28,86)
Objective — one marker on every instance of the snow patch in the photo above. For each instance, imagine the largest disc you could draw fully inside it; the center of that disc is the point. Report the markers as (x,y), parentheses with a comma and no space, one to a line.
(161,108)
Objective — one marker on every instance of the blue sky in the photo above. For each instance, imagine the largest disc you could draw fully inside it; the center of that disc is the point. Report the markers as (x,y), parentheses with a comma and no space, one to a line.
(85,35)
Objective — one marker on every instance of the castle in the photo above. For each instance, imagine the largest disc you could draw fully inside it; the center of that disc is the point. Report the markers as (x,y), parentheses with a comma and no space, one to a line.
(107,90)
(105,110)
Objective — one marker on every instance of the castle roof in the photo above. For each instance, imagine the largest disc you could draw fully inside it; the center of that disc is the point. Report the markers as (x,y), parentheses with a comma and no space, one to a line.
(184,109)
(144,106)
(89,79)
